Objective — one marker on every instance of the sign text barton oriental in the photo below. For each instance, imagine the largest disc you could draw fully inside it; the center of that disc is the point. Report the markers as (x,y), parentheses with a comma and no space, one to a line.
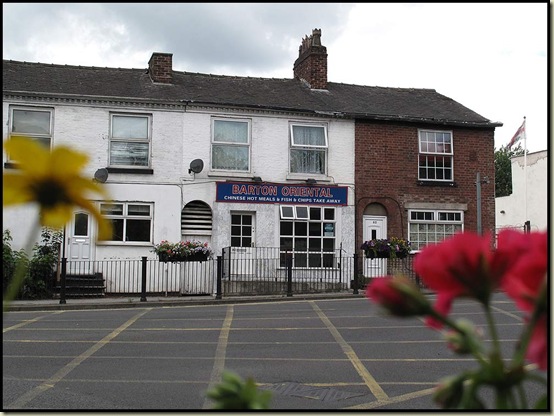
(281,194)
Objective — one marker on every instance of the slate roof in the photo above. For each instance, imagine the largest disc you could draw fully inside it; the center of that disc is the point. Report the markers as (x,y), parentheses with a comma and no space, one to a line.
(343,100)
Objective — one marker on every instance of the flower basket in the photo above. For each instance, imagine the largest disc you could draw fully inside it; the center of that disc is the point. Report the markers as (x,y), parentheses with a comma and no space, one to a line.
(393,248)
(167,258)
(182,251)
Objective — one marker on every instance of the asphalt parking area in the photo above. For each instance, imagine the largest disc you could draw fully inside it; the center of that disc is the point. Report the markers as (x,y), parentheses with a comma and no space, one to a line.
(312,354)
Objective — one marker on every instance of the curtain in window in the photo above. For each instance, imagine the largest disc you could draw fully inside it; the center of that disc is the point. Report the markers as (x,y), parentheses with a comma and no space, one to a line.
(230,157)
(307,161)
(230,131)
(129,153)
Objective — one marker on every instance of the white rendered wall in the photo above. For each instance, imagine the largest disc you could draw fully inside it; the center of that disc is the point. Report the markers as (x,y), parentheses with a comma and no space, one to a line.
(510,210)
(178,137)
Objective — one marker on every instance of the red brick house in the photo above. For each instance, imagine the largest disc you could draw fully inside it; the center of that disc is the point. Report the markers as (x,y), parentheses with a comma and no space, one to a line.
(417,155)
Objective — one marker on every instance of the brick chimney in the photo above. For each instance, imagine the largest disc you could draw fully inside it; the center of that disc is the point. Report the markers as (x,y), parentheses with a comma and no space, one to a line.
(311,65)
(160,67)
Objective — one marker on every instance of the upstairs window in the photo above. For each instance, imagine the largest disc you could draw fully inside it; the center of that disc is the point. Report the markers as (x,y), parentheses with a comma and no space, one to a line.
(436,156)
(130,141)
(308,151)
(35,123)
(231,145)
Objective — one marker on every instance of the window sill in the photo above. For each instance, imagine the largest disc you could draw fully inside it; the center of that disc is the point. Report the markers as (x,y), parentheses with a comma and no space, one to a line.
(305,176)
(221,174)
(444,184)
(137,171)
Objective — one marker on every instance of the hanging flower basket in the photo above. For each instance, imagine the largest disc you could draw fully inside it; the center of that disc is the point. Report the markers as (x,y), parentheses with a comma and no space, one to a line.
(167,258)
(393,248)
(182,251)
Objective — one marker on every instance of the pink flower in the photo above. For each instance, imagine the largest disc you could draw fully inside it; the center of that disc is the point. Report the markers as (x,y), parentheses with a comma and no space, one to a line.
(398,295)
(528,257)
(537,352)
(459,266)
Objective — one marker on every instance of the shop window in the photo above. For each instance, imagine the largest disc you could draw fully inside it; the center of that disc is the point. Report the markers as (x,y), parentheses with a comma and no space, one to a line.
(308,234)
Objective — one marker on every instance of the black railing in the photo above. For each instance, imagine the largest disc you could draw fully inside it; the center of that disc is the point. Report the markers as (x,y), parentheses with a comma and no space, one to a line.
(238,271)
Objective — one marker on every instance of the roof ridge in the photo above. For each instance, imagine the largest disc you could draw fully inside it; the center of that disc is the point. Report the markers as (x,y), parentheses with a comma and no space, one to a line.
(73,66)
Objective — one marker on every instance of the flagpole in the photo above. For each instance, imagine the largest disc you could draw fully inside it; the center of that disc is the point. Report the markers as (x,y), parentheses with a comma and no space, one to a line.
(525,163)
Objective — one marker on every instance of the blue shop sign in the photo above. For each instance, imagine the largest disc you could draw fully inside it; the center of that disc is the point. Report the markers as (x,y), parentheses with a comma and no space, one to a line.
(256,193)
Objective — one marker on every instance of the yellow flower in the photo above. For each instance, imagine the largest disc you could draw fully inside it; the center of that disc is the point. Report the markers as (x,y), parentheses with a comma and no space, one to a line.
(53,181)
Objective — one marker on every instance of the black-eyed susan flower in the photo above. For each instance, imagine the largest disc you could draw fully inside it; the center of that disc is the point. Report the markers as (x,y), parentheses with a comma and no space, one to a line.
(53,180)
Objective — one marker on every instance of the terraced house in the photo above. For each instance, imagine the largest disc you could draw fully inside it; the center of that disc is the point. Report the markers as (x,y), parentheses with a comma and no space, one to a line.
(299,164)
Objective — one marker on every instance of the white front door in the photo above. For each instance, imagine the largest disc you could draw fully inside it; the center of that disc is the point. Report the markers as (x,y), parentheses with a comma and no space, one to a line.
(242,244)
(374,228)
(80,243)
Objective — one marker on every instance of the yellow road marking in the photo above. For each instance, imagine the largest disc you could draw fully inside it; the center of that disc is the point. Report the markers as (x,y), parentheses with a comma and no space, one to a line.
(60,374)
(30,321)
(392,400)
(370,382)
(221,351)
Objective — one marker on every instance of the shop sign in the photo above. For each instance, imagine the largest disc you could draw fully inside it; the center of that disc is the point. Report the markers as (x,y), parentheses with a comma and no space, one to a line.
(281,194)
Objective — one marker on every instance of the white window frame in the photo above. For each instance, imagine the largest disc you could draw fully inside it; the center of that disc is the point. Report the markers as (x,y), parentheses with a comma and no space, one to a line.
(216,143)
(144,140)
(125,216)
(301,258)
(41,138)
(433,154)
(308,147)
(435,220)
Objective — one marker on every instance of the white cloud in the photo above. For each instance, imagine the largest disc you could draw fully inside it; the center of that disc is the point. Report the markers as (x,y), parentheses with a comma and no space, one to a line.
(490,57)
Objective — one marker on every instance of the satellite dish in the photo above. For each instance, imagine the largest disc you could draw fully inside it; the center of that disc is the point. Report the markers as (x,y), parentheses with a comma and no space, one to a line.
(101,175)
(196,166)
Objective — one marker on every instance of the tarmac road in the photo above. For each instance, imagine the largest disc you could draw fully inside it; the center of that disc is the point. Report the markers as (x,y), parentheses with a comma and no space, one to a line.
(313,354)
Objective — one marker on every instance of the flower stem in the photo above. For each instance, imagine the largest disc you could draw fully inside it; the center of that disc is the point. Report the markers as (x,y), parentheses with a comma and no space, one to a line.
(525,339)
(21,267)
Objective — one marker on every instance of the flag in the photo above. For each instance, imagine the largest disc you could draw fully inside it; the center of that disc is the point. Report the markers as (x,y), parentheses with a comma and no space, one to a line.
(520,134)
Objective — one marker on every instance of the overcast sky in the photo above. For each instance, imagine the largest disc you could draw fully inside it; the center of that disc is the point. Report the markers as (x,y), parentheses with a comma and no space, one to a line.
(492,58)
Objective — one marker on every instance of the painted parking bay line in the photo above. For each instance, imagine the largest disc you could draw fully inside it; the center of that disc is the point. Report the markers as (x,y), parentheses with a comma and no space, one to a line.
(60,374)
(370,382)
(27,322)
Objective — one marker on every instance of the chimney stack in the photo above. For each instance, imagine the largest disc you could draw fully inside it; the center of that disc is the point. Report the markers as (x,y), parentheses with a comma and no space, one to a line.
(160,67)
(311,65)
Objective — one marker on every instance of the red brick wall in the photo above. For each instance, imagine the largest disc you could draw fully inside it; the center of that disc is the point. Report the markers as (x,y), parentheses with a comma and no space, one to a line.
(160,67)
(387,173)
(312,67)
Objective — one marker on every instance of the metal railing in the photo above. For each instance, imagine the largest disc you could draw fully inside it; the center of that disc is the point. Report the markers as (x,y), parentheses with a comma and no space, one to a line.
(238,271)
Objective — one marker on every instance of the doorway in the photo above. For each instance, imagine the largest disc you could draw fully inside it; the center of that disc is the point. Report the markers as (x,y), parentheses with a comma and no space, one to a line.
(79,243)
(374,227)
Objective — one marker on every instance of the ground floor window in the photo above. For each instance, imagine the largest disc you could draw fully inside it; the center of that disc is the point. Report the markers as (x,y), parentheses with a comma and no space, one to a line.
(242,230)
(433,226)
(131,221)
(308,233)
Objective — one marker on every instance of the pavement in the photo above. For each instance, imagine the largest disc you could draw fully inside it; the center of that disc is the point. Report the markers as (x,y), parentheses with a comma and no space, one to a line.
(117,302)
